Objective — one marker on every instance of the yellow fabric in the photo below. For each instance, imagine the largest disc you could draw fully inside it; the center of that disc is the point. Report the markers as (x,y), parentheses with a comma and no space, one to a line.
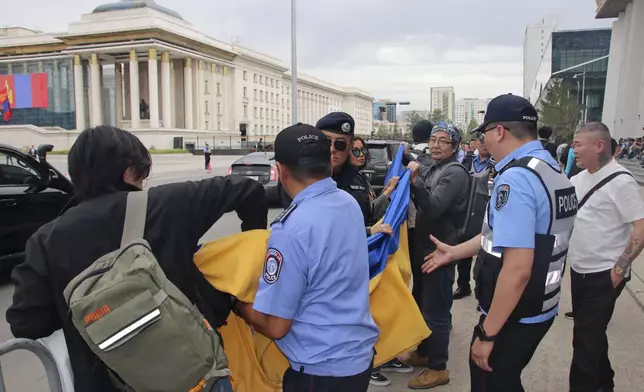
(234,264)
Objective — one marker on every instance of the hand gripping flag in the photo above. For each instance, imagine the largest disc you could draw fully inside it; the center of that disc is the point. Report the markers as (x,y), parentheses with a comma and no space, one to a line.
(234,265)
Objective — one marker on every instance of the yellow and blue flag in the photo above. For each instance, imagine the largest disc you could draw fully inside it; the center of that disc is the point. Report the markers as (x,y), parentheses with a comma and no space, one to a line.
(234,265)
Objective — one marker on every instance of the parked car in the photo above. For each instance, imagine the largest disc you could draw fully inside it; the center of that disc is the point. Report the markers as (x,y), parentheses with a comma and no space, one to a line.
(259,167)
(381,155)
(32,193)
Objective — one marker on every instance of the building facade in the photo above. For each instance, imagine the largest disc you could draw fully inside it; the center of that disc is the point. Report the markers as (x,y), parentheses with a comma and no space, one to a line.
(535,42)
(147,70)
(443,98)
(624,93)
(578,58)
(468,109)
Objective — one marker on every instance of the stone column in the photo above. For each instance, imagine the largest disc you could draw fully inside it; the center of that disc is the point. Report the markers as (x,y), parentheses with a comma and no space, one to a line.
(96,118)
(187,93)
(9,69)
(58,91)
(118,93)
(153,88)
(212,81)
(165,90)
(201,115)
(225,101)
(135,114)
(79,93)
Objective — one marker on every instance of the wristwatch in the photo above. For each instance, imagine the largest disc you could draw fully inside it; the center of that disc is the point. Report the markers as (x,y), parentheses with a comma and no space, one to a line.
(619,271)
(479,332)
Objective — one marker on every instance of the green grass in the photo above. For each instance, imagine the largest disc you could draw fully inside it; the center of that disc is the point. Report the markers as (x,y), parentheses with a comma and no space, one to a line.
(161,152)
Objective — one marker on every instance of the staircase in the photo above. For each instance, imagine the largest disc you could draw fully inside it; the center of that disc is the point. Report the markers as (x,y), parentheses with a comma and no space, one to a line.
(635,167)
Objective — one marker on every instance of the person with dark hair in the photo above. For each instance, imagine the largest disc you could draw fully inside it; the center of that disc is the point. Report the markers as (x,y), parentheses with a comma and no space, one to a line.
(206,154)
(440,194)
(608,237)
(105,164)
(545,133)
(521,250)
(313,297)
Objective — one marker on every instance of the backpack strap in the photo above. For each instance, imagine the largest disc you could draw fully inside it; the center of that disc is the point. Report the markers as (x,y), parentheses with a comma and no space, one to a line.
(135,214)
(599,185)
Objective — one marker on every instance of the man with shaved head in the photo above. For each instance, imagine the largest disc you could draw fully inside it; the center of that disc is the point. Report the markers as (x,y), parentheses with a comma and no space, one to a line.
(608,236)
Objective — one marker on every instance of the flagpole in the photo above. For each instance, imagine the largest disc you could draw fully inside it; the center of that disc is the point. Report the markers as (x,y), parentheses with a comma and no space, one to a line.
(293,64)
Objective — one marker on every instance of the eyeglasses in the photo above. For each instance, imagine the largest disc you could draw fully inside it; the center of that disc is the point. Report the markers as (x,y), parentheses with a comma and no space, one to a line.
(482,134)
(442,143)
(357,152)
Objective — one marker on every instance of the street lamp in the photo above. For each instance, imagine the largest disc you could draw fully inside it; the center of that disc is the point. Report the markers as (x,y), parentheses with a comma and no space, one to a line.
(293,64)
(584,111)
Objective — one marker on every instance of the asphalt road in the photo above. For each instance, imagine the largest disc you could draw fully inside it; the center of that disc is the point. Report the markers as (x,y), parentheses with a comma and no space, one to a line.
(548,371)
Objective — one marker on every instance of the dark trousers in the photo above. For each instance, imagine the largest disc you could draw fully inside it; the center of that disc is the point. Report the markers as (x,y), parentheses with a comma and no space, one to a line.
(301,382)
(464,274)
(207,160)
(514,347)
(593,302)
(436,299)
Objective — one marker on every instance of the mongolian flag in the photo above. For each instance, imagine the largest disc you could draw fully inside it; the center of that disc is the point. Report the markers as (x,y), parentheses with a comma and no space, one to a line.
(234,265)
(5,105)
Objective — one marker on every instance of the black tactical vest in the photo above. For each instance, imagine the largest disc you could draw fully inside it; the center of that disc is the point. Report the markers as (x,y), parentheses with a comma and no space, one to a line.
(543,291)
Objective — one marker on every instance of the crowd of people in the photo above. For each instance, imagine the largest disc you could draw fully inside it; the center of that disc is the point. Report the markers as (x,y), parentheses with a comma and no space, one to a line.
(313,295)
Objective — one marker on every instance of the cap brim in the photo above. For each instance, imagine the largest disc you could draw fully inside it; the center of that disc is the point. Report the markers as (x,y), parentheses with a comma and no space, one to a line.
(480,128)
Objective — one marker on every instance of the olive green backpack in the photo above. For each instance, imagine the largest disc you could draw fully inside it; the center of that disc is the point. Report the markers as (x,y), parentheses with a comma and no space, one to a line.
(138,323)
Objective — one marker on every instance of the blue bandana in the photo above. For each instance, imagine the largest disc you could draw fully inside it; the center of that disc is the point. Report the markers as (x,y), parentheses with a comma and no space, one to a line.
(453,132)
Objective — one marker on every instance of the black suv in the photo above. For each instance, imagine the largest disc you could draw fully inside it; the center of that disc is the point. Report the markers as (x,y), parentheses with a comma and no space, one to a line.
(381,154)
(32,193)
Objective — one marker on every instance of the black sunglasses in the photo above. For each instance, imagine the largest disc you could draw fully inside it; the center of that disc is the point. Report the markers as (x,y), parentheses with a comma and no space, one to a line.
(340,144)
(357,152)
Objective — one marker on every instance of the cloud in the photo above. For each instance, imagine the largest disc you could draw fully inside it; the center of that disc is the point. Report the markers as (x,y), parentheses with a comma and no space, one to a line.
(393,49)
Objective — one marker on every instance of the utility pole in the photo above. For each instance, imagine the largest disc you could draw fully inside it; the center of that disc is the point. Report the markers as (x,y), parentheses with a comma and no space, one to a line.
(293,63)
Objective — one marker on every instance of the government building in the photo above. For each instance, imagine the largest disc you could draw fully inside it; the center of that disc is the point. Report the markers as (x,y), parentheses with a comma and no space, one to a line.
(139,66)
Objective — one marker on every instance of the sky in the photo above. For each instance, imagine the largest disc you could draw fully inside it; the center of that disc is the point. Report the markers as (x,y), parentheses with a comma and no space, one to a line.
(395,49)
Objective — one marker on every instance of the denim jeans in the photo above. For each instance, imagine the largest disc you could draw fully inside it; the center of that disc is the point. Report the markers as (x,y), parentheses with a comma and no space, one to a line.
(222,385)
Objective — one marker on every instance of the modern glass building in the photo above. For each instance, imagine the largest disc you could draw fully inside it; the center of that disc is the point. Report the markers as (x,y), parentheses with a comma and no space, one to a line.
(580,58)
(571,48)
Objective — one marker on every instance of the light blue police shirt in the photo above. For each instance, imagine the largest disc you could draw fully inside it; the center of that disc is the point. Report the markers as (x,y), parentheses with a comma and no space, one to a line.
(316,273)
(479,165)
(526,210)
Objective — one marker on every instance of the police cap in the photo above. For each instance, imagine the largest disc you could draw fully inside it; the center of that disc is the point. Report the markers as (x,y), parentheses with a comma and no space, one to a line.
(508,107)
(302,145)
(337,122)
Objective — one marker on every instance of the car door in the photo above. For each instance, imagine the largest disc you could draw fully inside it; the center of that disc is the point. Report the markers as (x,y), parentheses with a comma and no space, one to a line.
(26,201)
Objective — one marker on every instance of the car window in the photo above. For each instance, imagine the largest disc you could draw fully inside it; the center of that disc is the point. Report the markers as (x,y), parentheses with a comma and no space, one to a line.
(378,154)
(16,171)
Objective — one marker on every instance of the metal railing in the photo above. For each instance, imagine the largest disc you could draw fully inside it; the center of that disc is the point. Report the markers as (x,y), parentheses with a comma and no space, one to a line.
(43,354)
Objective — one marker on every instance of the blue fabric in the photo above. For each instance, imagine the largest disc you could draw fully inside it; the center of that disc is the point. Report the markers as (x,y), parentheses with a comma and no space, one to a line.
(381,246)
(569,162)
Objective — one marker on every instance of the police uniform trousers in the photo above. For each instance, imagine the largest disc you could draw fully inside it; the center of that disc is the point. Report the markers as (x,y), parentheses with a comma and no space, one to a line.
(295,381)
(513,349)
(593,302)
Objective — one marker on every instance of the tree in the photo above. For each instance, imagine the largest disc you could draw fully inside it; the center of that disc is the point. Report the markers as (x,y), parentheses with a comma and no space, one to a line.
(437,116)
(395,132)
(472,125)
(560,109)
(383,131)
(413,119)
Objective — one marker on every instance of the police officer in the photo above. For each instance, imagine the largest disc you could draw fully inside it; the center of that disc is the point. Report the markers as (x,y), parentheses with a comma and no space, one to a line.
(313,296)
(521,249)
(339,127)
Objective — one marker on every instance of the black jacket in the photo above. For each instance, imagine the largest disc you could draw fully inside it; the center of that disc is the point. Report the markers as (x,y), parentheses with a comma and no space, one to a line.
(441,210)
(178,216)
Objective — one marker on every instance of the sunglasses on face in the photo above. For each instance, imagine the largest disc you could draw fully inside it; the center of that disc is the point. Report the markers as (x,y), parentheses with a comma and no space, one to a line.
(358,152)
(339,144)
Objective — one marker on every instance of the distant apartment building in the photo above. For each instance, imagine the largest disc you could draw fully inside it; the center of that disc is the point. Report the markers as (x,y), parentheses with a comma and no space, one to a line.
(535,43)
(443,98)
(384,110)
(470,108)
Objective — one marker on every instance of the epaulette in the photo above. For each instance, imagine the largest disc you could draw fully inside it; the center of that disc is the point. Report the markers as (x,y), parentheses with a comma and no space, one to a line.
(281,218)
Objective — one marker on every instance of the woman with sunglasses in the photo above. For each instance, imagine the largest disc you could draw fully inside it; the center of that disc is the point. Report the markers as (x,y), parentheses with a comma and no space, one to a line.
(359,159)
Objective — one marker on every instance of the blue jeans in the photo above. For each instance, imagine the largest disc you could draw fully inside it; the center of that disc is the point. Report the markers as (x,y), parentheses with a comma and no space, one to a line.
(222,385)
(436,305)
